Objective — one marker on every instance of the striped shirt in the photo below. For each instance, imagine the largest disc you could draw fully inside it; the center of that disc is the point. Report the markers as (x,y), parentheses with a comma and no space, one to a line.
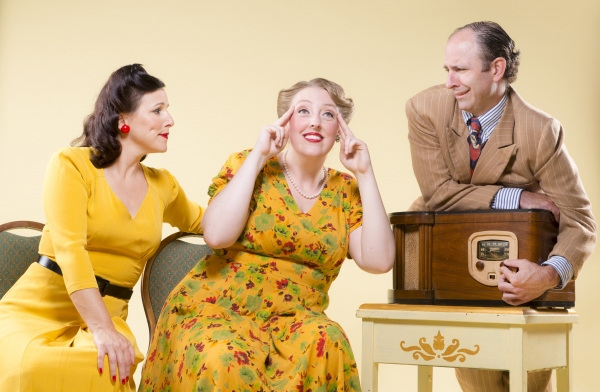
(510,198)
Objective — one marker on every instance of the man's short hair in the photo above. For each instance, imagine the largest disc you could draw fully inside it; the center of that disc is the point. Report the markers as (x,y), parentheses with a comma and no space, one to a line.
(494,42)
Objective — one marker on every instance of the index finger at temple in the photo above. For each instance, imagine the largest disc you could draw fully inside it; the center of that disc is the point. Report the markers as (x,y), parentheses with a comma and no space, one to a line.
(285,118)
(343,126)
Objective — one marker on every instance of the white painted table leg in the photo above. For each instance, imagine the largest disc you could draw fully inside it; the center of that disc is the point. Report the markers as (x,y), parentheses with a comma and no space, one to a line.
(369,367)
(518,373)
(425,377)
(421,329)
(564,376)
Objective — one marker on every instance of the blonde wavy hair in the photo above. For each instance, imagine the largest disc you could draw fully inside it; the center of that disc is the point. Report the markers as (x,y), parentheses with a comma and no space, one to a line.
(336,92)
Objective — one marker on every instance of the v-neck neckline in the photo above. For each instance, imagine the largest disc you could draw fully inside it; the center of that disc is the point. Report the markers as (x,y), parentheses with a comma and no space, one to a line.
(137,212)
(289,191)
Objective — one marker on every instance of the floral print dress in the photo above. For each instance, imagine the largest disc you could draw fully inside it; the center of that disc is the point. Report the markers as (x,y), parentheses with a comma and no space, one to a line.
(251,317)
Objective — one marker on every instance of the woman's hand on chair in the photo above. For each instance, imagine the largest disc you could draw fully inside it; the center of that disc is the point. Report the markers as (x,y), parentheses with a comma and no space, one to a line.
(354,153)
(120,353)
(273,138)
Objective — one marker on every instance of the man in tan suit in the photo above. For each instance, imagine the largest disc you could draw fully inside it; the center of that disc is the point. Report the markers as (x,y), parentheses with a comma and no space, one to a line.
(476,144)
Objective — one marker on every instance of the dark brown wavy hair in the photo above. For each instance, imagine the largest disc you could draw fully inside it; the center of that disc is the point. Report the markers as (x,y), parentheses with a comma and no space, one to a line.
(120,95)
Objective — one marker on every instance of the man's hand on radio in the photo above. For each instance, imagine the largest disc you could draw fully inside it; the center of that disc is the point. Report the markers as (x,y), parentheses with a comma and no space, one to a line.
(528,282)
(540,201)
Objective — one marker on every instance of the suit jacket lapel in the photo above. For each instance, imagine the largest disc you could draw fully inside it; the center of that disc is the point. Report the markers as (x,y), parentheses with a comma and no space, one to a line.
(498,149)
(458,147)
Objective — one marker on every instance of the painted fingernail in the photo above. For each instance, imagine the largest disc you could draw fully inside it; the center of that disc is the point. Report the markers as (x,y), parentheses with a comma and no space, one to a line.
(100,371)
(123,381)
(127,379)
(114,378)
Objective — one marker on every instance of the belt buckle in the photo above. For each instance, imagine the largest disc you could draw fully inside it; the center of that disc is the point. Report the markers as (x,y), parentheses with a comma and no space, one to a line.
(102,285)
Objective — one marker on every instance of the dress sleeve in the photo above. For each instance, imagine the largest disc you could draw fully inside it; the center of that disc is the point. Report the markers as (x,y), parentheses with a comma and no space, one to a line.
(65,199)
(231,166)
(180,211)
(355,206)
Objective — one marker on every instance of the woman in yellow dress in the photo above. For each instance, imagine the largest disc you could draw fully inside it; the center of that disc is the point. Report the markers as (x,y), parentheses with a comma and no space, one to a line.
(62,325)
(250,317)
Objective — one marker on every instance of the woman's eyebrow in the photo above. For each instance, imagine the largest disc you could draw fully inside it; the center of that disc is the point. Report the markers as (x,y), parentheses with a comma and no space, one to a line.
(306,100)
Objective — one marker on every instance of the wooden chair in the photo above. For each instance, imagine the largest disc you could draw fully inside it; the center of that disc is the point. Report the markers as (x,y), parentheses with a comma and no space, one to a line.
(17,252)
(173,259)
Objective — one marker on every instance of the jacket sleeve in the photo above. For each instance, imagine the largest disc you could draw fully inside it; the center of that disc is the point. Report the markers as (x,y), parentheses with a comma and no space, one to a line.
(558,177)
(440,191)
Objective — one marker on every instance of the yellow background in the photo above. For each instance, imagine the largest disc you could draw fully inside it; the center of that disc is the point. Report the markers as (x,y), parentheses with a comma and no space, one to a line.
(224,62)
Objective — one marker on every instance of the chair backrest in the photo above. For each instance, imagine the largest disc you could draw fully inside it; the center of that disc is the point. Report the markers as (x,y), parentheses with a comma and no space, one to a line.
(165,269)
(17,252)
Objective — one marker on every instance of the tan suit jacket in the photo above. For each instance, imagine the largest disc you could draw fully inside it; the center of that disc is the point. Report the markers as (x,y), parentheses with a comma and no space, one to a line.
(526,151)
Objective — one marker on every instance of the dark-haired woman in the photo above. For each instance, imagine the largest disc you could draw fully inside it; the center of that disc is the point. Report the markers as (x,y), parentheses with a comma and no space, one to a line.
(62,325)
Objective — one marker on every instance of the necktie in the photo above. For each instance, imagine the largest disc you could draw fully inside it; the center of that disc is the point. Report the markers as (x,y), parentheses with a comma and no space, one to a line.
(474,139)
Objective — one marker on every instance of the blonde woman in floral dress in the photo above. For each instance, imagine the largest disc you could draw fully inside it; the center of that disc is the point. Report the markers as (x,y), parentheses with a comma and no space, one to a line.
(251,317)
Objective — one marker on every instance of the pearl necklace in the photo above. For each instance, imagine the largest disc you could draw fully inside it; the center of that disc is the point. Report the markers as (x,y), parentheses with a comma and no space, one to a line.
(325,176)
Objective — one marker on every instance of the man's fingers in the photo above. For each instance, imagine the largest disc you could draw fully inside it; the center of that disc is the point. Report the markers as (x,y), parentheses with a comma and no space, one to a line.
(539,200)
(511,300)
(504,284)
(556,213)
(507,274)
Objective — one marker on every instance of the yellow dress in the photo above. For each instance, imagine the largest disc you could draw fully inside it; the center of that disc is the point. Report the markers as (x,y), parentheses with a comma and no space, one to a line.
(252,317)
(44,343)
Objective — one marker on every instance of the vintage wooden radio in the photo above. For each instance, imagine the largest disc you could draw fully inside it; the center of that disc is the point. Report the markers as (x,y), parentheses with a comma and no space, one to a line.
(453,258)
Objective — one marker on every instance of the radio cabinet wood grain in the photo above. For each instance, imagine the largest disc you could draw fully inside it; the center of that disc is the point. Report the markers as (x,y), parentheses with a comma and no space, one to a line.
(432,255)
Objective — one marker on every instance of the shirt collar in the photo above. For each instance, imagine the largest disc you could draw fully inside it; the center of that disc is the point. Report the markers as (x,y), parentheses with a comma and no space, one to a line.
(489,119)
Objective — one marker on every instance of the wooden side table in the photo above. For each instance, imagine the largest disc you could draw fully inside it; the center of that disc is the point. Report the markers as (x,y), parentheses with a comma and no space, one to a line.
(516,339)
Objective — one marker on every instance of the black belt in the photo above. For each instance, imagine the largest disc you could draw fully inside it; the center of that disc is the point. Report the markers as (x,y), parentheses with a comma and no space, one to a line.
(105,287)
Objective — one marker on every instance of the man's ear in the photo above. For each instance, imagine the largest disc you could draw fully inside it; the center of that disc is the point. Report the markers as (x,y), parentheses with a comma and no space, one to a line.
(498,67)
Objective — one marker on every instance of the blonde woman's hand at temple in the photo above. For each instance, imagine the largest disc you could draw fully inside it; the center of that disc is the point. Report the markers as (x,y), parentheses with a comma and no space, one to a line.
(371,245)
(273,138)
(226,216)
(354,153)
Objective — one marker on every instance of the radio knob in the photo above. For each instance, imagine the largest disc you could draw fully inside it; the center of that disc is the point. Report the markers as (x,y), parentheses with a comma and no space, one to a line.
(480,265)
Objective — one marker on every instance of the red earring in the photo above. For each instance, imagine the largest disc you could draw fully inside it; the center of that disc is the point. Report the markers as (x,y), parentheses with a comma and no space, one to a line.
(125,128)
